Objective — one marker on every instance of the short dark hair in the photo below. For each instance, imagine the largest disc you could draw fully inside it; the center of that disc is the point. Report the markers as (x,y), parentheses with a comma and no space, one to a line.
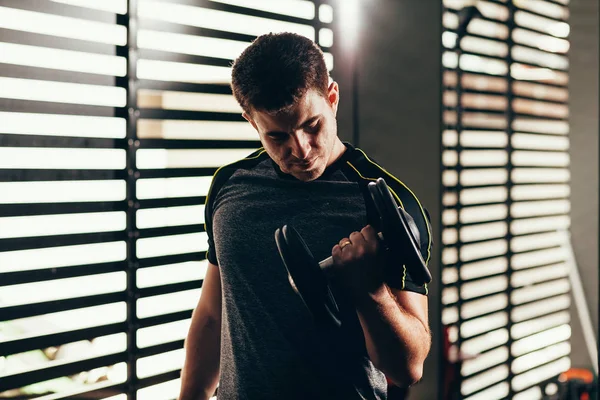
(276,70)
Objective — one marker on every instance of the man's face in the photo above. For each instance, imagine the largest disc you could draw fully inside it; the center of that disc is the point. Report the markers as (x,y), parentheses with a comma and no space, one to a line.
(302,141)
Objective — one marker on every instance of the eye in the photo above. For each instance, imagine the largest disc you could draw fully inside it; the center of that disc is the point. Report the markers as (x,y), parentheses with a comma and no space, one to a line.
(278,137)
(314,127)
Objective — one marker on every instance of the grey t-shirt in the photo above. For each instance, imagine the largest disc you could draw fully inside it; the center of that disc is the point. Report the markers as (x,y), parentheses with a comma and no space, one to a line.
(270,345)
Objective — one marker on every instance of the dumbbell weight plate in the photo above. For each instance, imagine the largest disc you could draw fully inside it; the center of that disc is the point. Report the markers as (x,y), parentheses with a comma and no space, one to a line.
(399,238)
(307,277)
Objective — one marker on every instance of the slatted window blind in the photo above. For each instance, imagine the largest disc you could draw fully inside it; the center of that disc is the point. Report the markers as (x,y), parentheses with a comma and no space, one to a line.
(506,179)
(114,115)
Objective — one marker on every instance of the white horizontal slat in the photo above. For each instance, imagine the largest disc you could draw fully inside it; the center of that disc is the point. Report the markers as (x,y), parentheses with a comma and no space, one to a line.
(168,303)
(496,392)
(472,309)
(541,374)
(62,224)
(64,321)
(61,191)
(169,245)
(67,27)
(195,130)
(115,6)
(56,158)
(190,44)
(539,257)
(552,27)
(182,72)
(539,274)
(165,390)
(485,342)
(67,60)
(63,256)
(294,8)
(62,125)
(171,273)
(483,195)
(158,188)
(483,324)
(67,353)
(484,361)
(187,158)
(537,358)
(483,213)
(532,192)
(484,231)
(483,268)
(487,249)
(539,308)
(59,289)
(483,287)
(536,325)
(219,20)
(169,216)
(539,291)
(541,340)
(169,100)
(484,379)
(160,363)
(164,333)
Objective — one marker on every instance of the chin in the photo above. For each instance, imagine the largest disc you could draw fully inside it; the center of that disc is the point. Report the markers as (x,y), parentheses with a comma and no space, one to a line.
(307,176)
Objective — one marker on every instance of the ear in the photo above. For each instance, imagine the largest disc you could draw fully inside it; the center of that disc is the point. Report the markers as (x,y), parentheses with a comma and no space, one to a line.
(248,118)
(333,95)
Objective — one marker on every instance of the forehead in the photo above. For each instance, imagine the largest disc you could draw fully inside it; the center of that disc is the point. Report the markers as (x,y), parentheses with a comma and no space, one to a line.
(308,105)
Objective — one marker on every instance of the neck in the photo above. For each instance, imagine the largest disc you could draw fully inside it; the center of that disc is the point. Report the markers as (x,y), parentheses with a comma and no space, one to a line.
(338,150)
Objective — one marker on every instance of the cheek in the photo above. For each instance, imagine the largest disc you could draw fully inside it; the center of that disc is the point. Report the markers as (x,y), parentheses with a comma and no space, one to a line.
(276,151)
(329,133)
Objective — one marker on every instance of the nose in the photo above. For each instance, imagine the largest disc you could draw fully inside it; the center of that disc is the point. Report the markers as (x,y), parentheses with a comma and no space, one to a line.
(302,146)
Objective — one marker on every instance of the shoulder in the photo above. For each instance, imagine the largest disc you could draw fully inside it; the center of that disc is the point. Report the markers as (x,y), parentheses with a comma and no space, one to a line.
(222,175)
(367,169)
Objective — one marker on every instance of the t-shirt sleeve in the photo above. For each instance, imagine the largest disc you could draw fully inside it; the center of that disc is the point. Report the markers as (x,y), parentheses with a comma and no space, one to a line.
(411,204)
(211,254)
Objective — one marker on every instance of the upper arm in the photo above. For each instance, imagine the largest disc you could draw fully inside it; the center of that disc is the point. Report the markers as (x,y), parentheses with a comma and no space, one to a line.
(407,199)
(413,303)
(210,299)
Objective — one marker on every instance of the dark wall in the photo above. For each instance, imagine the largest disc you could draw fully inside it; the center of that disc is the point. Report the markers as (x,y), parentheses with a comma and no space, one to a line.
(399,76)
(583,92)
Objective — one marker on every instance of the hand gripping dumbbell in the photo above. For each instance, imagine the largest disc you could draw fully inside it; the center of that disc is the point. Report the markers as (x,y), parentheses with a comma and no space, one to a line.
(400,238)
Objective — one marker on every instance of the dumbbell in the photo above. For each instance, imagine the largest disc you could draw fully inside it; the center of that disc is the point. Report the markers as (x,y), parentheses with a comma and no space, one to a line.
(399,236)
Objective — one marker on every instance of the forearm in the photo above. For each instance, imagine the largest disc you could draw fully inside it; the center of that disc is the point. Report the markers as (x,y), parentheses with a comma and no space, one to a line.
(397,342)
(200,373)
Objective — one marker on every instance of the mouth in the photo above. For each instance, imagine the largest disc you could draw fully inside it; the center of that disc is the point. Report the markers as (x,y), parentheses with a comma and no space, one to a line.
(305,165)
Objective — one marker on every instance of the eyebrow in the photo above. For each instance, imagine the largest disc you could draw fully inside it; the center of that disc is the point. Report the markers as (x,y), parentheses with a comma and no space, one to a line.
(312,119)
(307,122)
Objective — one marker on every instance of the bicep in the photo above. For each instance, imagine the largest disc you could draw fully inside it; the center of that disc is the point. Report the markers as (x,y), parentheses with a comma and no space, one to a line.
(210,298)
(414,304)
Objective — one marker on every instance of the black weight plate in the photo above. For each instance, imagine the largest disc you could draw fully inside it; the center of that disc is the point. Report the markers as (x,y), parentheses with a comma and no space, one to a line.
(309,281)
(401,243)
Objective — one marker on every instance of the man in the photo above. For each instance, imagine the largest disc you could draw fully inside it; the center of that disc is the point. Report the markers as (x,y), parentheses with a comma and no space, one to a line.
(251,333)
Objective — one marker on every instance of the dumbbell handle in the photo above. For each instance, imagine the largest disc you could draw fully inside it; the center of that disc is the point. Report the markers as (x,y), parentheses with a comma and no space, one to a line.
(328,262)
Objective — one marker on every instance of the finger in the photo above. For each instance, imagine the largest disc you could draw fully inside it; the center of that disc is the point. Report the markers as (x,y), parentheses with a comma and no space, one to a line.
(345,242)
(336,255)
(369,232)
(357,238)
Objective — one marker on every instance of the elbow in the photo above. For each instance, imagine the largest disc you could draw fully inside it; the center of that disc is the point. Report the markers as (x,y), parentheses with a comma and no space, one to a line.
(415,374)
(407,376)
